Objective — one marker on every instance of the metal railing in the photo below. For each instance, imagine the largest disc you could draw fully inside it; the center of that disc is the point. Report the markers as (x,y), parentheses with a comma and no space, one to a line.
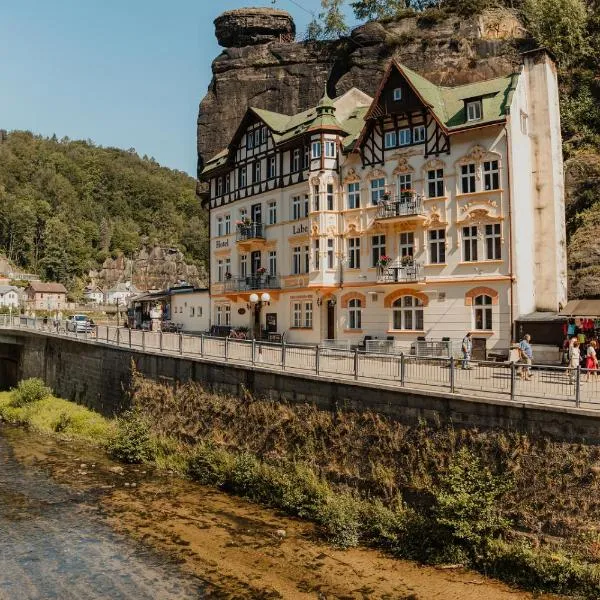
(560,386)
(252,231)
(398,272)
(404,205)
(256,281)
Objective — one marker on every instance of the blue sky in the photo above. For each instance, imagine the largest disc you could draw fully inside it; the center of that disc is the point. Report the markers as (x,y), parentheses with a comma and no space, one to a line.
(125,73)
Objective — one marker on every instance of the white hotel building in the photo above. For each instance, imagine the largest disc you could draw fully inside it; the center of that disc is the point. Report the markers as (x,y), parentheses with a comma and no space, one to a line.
(426,211)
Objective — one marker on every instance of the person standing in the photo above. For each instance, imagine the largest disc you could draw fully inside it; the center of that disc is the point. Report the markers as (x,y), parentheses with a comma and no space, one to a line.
(466,348)
(574,359)
(591,360)
(526,356)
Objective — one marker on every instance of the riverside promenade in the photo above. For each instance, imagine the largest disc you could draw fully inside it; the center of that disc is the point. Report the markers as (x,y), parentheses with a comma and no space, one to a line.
(492,381)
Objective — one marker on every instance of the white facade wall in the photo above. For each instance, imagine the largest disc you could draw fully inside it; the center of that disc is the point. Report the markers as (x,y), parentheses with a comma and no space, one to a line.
(522,189)
(191,310)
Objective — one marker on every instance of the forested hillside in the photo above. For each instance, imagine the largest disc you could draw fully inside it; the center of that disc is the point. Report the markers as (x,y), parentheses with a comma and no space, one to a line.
(65,206)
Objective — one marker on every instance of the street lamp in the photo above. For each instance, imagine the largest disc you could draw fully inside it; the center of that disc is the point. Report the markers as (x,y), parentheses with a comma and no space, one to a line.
(256,303)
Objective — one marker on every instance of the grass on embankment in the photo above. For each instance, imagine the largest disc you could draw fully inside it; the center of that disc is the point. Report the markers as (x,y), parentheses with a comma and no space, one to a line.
(50,415)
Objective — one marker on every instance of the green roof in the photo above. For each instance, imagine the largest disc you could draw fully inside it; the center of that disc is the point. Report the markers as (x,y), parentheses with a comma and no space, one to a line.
(285,127)
(448,103)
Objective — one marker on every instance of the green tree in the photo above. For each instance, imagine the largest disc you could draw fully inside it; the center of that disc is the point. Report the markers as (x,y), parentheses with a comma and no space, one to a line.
(378,9)
(334,23)
(559,25)
(65,204)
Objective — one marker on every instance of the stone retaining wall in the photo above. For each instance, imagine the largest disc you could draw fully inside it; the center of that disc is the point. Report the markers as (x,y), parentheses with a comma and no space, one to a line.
(97,376)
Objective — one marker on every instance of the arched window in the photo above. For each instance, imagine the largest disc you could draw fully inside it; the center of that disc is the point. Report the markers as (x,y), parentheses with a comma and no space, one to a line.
(483,312)
(354,314)
(408,313)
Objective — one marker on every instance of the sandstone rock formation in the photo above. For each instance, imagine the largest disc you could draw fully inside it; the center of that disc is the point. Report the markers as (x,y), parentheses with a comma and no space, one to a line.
(150,268)
(289,76)
(250,26)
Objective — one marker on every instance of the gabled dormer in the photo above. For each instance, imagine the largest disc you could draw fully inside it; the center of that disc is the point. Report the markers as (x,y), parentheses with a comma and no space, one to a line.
(405,99)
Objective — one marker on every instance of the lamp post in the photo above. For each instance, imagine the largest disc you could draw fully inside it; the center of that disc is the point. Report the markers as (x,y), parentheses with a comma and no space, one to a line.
(256,303)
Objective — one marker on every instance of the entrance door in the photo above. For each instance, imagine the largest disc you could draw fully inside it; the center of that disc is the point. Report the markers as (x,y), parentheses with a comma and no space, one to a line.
(330,321)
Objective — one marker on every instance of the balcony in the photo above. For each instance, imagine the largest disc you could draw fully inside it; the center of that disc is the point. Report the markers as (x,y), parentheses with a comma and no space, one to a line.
(250,232)
(256,281)
(405,206)
(400,273)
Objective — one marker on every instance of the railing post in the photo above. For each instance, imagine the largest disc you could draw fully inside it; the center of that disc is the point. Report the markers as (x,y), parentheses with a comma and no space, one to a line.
(513,380)
(143,340)
(283,354)
(253,351)
(181,343)
(402,369)
(355,363)
(317,357)
(226,348)
(202,344)
(452,375)
(129,335)
(578,386)
(118,336)
(107,332)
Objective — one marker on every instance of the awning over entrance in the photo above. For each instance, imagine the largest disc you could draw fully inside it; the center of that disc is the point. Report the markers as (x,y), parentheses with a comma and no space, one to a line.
(581,308)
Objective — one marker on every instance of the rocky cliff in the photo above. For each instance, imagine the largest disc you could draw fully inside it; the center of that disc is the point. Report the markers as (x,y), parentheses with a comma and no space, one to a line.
(150,268)
(261,66)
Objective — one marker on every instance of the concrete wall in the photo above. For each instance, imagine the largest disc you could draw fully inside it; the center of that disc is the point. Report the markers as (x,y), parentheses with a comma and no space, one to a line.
(97,376)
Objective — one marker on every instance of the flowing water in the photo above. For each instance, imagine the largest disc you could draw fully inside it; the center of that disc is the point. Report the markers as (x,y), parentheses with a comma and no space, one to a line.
(73,525)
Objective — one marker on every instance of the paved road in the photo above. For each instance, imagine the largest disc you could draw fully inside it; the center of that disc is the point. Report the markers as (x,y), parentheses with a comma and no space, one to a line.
(53,546)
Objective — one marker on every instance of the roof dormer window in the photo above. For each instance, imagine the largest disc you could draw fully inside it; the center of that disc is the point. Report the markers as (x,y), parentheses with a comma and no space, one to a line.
(397,94)
(474,110)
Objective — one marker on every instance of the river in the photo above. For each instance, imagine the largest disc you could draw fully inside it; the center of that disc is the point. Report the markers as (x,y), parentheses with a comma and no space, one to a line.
(74,525)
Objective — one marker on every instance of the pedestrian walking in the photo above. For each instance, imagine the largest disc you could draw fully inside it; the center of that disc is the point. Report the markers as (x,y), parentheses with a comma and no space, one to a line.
(466,348)
(526,357)
(574,359)
(591,361)
(568,354)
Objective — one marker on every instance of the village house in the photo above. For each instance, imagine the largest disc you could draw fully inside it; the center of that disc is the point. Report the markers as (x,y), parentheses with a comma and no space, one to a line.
(46,296)
(424,212)
(190,308)
(94,294)
(9,296)
(121,293)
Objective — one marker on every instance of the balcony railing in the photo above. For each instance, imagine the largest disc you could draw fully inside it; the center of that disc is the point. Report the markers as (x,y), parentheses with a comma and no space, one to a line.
(253,231)
(257,281)
(398,273)
(405,205)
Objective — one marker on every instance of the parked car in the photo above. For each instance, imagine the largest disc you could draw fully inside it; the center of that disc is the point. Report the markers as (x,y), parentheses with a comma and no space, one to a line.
(79,324)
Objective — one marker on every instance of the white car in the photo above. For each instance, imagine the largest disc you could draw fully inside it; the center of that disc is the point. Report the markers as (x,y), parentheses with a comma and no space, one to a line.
(79,324)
